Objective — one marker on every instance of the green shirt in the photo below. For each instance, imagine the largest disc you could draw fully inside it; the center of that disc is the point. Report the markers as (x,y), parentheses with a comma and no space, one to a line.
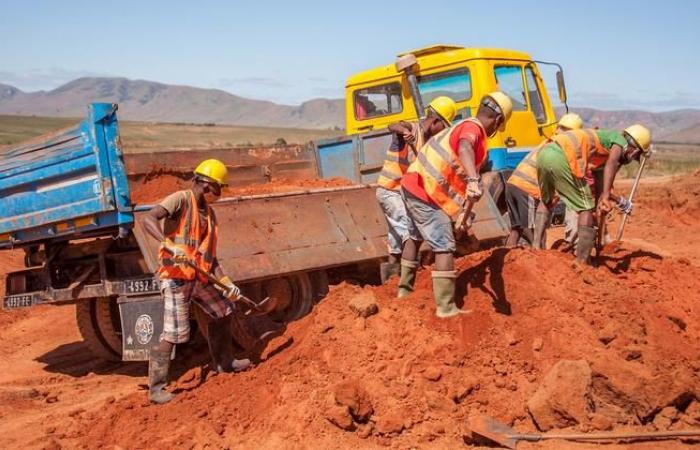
(610,137)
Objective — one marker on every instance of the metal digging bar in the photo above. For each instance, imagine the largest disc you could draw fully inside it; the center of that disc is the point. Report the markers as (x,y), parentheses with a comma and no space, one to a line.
(502,434)
(642,163)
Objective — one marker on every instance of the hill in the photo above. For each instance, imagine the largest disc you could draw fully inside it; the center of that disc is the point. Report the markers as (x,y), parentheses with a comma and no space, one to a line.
(150,101)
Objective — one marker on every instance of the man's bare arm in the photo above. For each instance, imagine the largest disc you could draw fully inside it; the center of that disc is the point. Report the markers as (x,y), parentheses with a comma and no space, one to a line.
(612,166)
(467,158)
(151,222)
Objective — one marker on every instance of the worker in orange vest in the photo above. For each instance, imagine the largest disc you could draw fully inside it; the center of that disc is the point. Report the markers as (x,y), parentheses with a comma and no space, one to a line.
(523,192)
(190,233)
(563,164)
(438,186)
(408,137)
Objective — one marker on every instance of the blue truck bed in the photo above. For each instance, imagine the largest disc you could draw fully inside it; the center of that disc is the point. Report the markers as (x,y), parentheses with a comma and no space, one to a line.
(69,184)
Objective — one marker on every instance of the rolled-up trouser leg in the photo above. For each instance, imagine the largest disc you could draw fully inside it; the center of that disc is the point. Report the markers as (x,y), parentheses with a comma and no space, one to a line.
(408,277)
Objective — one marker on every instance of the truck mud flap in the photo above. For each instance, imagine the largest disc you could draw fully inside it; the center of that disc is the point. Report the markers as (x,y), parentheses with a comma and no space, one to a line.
(142,324)
(266,236)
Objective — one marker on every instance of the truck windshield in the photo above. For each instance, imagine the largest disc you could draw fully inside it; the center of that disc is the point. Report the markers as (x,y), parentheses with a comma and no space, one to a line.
(455,84)
(510,82)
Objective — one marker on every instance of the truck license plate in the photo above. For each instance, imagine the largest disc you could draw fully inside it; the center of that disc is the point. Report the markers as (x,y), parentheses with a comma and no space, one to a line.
(141,286)
(17,301)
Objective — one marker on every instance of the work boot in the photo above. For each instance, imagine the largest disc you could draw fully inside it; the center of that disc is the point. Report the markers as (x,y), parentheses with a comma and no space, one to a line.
(221,347)
(586,242)
(408,277)
(158,365)
(388,270)
(539,238)
(444,285)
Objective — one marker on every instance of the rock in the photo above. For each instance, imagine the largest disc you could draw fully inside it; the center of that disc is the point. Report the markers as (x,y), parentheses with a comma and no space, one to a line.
(510,338)
(665,418)
(432,374)
(389,424)
(500,382)
(355,399)
(365,431)
(438,402)
(608,333)
(600,422)
(563,398)
(537,344)
(340,417)
(462,392)
(364,304)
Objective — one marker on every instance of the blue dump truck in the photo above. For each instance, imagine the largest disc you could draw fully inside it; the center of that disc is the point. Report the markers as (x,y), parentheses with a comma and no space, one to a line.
(64,200)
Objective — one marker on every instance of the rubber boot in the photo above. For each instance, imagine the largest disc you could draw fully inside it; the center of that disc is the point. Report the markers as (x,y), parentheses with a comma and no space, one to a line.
(158,365)
(444,285)
(388,270)
(586,242)
(408,277)
(221,347)
(539,238)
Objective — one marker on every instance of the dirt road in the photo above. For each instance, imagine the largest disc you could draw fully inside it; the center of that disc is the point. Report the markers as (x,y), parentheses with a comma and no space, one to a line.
(624,336)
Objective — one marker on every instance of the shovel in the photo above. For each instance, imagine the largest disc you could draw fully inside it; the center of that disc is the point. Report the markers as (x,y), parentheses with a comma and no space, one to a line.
(502,434)
(642,163)
(264,307)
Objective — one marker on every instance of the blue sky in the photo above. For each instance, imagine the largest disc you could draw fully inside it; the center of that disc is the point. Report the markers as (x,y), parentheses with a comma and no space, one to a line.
(616,55)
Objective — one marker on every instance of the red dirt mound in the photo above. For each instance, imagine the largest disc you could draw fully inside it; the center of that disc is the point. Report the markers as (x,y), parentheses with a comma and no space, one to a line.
(157,186)
(548,344)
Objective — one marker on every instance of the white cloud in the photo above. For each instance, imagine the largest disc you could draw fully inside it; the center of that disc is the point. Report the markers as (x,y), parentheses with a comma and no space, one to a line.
(43,79)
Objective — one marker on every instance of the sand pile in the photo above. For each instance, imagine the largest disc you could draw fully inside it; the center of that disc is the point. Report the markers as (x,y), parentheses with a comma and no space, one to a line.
(547,345)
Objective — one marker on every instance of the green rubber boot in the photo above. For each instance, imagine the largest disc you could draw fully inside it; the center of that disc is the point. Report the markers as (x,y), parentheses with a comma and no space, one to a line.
(158,365)
(408,277)
(586,242)
(444,285)
(388,270)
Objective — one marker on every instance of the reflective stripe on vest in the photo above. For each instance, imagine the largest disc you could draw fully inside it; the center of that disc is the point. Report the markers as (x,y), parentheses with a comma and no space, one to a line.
(187,236)
(525,174)
(583,150)
(397,162)
(442,172)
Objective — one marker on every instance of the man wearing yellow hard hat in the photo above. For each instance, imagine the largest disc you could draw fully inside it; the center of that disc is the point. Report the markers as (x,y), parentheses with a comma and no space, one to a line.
(437,189)
(407,139)
(190,233)
(562,167)
(523,192)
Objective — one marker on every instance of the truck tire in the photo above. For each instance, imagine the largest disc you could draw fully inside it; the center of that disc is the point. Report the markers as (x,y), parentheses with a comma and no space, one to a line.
(99,325)
(295,294)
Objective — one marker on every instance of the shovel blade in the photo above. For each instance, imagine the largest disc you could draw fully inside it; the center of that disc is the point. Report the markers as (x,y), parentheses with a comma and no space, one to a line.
(493,430)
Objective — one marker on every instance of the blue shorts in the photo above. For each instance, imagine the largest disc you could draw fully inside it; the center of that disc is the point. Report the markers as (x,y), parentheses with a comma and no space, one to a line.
(396,216)
(429,223)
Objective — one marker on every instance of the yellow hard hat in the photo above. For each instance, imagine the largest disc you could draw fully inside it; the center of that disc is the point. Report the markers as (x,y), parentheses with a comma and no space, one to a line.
(444,107)
(571,121)
(504,103)
(212,169)
(640,135)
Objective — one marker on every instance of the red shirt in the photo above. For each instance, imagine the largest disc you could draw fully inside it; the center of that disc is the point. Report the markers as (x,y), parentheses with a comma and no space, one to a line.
(468,130)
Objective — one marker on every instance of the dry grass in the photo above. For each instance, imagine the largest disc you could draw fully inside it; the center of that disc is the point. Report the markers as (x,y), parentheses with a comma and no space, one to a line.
(140,136)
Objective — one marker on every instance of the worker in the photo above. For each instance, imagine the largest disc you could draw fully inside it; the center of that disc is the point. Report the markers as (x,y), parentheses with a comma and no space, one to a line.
(523,193)
(190,233)
(561,168)
(438,188)
(407,138)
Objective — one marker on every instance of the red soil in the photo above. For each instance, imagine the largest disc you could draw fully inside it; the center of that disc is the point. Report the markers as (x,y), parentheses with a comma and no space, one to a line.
(155,188)
(404,379)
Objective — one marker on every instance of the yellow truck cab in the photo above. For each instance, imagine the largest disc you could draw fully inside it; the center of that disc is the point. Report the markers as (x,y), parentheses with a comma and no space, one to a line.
(378,97)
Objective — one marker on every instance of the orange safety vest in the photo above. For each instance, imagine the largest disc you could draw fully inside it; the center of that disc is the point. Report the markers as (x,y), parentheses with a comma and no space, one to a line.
(397,162)
(444,178)
(525,174)
(187,236)
(583,150)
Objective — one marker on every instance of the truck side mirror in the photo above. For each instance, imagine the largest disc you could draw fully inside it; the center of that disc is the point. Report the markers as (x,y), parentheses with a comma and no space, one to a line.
(561,87)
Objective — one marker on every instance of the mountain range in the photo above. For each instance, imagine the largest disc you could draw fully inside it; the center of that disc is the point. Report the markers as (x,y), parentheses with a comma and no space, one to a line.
(152,101)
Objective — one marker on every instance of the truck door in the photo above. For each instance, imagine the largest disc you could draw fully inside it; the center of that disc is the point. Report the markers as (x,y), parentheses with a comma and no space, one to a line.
(518,81)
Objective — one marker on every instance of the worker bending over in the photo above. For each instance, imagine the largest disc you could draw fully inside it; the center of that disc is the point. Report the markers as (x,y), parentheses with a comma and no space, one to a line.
(407,139)
(438,186)
(523,192)
(561,168)
(190,233)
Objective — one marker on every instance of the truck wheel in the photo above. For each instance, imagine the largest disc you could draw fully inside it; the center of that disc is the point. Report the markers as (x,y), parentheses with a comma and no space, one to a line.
(100,326)
(294,294)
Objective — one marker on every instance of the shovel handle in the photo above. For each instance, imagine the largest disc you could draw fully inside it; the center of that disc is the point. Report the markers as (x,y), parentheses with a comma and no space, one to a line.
(632,193)
(607,436)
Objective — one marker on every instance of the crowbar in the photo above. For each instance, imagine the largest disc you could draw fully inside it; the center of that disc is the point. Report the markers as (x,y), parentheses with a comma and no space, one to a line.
(215,281)
(642,163)
(504,435)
